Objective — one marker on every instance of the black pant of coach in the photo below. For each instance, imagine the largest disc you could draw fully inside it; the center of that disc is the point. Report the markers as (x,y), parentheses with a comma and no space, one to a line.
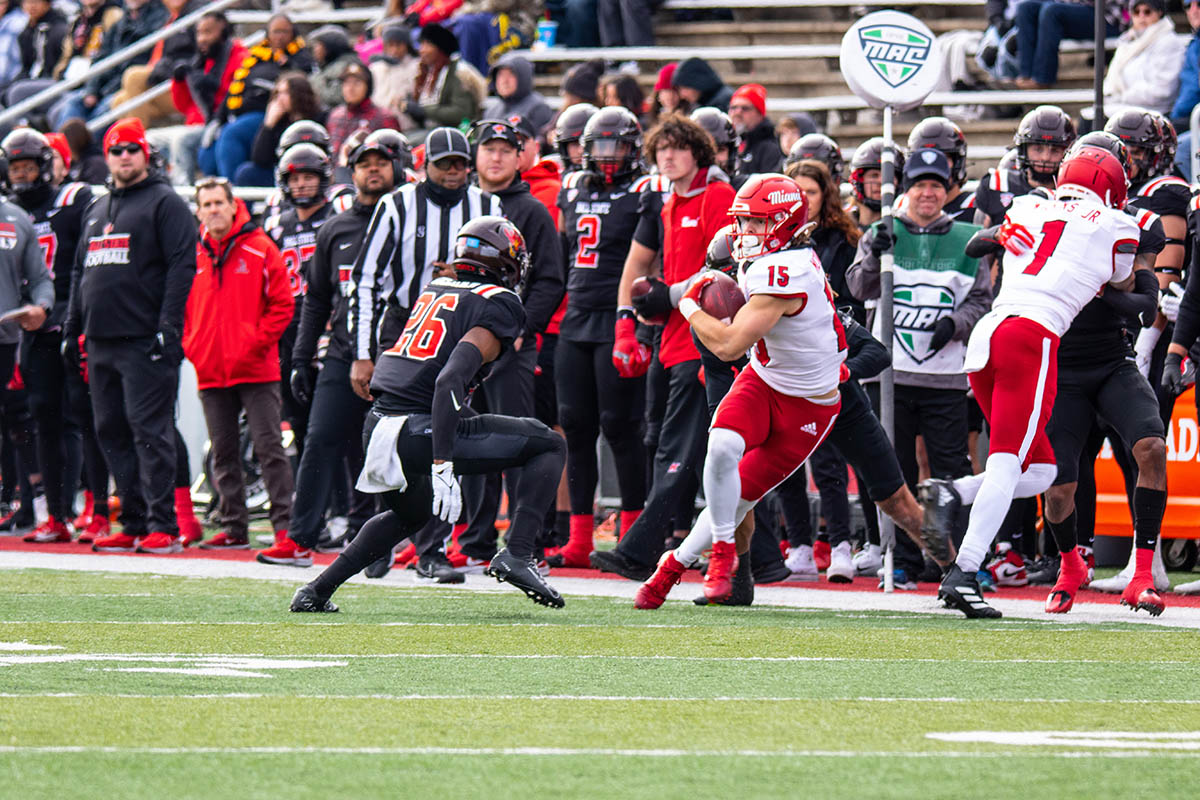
(134,386)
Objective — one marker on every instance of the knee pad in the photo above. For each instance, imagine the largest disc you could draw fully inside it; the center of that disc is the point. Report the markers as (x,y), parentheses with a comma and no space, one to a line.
(725,449)
(1039,478)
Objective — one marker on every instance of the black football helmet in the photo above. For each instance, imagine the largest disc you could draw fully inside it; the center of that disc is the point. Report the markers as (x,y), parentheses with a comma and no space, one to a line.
(942,134)
(491,248)
(720,252)
(569,128)
(720,128)
(869,156)
(819,147)
(304,131)
(26,143)
(1141,133)
(1105,141)
(389,143)
(1043,125)
(304,157)
(1170,143)
(603,136)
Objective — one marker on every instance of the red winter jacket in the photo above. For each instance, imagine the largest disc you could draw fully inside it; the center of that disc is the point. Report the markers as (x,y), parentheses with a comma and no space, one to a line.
(199,96)
(239,307)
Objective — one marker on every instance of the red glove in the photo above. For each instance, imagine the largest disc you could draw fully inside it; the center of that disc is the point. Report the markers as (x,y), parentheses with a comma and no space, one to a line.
(690,302)
(843,373)
(630,357)
(1015,237)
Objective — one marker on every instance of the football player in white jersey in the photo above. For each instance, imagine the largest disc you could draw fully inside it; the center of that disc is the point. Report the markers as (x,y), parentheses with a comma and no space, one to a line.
(1061,253)
(783,405)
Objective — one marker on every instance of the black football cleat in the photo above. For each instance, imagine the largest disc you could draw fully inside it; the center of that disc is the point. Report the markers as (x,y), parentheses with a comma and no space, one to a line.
(961,591)
(382,566)
(614,562)
(436,567)
(307,600)
(742,593)
(523,574)
(941,503)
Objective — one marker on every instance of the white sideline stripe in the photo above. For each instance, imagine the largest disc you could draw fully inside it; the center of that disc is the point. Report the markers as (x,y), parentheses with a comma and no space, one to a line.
(564,751)
(601,698)
(335,624)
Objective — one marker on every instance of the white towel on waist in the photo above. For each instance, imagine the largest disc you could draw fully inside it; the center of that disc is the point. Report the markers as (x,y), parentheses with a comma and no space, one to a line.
(382,470)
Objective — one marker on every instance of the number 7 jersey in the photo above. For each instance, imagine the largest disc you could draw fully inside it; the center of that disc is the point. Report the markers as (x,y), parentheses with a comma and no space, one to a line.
(1079,246)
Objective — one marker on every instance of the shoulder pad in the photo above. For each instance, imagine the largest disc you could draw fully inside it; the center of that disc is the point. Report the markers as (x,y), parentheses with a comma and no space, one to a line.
(274,199)
(272,221)
(68,193)
(487,291)
(1194,204)
(1145,219)
(342,202)
(1154,185)
(969,202)
(997,180)
(651,183)
(574,180)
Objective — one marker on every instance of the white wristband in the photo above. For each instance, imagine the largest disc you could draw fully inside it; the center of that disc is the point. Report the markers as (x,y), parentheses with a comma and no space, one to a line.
(688,307)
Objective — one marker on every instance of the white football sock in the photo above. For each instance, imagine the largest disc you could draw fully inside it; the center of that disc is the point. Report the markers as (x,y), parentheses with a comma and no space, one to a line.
(697,541)
(722,483)
(995,495)
(967,487)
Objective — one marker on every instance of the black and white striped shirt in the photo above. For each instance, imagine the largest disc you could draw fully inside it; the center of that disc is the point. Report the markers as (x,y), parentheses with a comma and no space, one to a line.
(408,232)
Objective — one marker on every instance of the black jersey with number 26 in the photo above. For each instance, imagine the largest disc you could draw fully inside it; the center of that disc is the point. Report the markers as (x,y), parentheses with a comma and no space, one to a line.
(446,309)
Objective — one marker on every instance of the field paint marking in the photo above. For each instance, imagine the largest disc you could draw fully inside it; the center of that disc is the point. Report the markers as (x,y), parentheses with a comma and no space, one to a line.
(1120,740)
(259,623)
(14,646)
(593,698)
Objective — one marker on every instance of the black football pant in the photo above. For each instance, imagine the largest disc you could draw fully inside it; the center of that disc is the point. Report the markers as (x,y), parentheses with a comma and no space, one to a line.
(95,468)
(294,412)
(59,447)
(18,429)
(335,424)
(133,400)
(483,444)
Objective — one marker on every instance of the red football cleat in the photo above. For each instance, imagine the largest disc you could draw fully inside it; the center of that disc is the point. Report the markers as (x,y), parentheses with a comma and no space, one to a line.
(98,528)
(653,592)
(160,543)
(50,531)
(1072,573)
(822,553)
(1140,594)
(225,541)
(116,543)
(718,580)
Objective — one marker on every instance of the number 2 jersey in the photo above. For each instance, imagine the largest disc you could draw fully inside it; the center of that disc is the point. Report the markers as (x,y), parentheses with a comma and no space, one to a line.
(803,352)
(446,309)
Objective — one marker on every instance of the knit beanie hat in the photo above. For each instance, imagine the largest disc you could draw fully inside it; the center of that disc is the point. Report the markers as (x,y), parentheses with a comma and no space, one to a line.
(752,93)
(128,129)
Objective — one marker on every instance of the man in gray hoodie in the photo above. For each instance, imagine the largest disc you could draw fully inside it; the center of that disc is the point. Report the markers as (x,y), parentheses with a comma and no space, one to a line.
(511,83)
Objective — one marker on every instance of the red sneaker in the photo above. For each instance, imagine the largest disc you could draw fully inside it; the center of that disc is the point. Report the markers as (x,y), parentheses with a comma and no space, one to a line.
(160,543)
(116,543)
(287,553)
(1072,573)
(1008,568)
(52,530)
(85,518)
(189,535)
(822,553)
(718,579)
(654,591)
(1140,594)
(226,541)
(98,528)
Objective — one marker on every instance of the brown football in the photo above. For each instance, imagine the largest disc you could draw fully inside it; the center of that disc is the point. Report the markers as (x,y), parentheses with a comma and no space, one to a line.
(722,297)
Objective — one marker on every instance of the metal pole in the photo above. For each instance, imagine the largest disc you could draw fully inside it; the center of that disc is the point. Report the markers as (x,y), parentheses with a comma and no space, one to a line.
(1098,80)
(887,383)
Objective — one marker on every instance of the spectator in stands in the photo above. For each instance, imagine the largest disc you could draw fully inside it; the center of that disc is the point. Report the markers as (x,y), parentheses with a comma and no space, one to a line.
(141,18)
(292,100)
(488,29)
(439,95)
(511,81)
(332,51)
(1042,24)
(580,83)
(240,304)
(229,135)
(576,22)
(699,84)
(792,128)
(12,23)
(626,23)
(86,34)
(357,112)
(758,150)
(87,161)
(1189,92)
(622,89)
(665,98)
(198,88)
(42,40)
(1144,71)
(394,69)
(177,49)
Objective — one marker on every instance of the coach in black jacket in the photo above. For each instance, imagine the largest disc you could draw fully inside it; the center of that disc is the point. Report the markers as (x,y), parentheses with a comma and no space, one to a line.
(129,288)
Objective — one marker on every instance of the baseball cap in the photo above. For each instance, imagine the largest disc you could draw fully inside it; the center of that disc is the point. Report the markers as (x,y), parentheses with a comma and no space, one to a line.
(491,129)
(523,126)
(927,163)
(445,143)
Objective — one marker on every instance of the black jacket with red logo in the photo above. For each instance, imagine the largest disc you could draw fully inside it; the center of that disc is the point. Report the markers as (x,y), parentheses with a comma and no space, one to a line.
(134,264)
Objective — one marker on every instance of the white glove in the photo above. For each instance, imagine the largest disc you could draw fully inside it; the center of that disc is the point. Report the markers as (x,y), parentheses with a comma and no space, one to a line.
(1168,302)
(1143,348)
(447,496)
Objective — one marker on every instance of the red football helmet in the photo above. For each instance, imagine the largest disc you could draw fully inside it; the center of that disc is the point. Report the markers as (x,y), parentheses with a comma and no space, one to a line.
(779,202)
(1093,173)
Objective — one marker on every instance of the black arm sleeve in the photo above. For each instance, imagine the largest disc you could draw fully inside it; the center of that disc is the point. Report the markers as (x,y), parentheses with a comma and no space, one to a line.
(318,303)
(1187,325)
(984,243)
(867,356)
(450,396)
(1141,301)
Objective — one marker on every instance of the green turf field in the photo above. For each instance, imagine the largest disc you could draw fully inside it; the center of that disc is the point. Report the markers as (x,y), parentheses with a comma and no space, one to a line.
(120,685)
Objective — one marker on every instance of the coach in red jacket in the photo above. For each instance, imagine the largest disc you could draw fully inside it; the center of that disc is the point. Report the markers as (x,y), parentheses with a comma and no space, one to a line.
(240,304)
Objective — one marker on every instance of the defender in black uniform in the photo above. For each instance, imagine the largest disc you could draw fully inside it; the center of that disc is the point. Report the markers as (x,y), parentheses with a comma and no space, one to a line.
(818,147)
(568,135)
(1041,141)
(599,208)
(939,133)
(57,215)
(421,431)
(306,131)
(337,413)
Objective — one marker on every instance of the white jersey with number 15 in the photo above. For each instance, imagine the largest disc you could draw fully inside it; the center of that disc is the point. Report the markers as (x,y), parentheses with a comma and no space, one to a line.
(1079,246)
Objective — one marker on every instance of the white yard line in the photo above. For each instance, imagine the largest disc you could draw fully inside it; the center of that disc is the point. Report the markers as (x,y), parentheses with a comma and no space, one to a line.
(1083,612)
(601,698)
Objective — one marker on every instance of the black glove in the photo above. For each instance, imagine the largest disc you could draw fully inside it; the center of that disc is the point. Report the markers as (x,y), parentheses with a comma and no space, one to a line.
(70,350)
(1172,376)
(882,242)
(414,110)
(302,381)
(180,72)
(943,332)
(166,346)
(656,302)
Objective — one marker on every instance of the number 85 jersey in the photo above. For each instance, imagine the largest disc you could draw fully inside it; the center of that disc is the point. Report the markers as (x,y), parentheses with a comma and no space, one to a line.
(1079,246)
(802,354)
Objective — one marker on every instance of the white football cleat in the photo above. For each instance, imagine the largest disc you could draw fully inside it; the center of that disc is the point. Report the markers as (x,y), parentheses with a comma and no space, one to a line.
(1117,583)
(800,561)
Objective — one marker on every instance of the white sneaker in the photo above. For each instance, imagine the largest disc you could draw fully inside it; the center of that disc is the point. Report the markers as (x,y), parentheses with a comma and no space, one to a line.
(841,565)
(1117,583)
(868,561)
(475,566)
(1188,588)
(800,561)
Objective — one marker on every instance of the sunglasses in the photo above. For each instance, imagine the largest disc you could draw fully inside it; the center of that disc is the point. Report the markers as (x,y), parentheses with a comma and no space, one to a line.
(741,108)
(124,149)
(1142,11)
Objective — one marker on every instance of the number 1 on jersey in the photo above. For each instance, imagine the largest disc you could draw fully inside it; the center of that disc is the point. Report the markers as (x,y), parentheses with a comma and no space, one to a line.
(1051,232)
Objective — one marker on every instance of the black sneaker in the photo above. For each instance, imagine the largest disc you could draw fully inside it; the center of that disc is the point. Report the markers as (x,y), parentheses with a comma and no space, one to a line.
(961,591)
(742,594)
(614,562)
(931,572)
(16,523)
(1044,571)
(523,574)
(941,502)
(308,600)
(436,567)
(382,566)
(772,573)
